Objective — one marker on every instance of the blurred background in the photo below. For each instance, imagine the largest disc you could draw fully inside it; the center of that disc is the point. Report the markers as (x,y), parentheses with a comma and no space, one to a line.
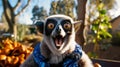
(98,31)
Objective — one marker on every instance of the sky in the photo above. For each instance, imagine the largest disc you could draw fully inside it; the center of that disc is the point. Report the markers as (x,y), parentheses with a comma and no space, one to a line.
(116,11)
(25,18)
(28,14)
(1,8)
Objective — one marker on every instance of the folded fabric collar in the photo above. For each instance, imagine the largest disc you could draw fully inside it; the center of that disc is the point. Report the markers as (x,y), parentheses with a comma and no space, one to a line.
(70,60)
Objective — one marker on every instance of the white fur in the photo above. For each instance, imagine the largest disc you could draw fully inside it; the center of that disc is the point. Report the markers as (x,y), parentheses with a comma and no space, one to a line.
(60,15)
(85,60)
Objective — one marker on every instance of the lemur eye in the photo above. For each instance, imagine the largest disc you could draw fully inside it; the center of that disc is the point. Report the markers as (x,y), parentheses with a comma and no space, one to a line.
(67,25)
(50,25)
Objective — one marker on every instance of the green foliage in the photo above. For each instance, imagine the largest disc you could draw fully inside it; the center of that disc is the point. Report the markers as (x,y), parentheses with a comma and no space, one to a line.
(39,13)
(63,7)
(101,25)
(108,3)
(116,39)
(22,30)
(92,55)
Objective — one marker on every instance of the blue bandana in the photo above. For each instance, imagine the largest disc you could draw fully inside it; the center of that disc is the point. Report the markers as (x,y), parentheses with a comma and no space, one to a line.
(70,60)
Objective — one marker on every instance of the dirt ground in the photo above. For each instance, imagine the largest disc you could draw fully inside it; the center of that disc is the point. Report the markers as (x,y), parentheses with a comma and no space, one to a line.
(112,52)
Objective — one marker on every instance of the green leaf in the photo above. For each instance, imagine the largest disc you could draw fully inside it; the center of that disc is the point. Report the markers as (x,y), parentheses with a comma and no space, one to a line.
(95,27)
(94,40)
(102,11)
(106,34)
(99,37)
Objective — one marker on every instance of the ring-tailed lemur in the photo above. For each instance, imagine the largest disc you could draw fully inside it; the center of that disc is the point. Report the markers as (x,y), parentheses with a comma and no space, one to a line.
(58,48)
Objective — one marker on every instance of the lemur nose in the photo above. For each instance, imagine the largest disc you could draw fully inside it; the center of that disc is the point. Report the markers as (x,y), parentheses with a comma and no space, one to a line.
(58,30)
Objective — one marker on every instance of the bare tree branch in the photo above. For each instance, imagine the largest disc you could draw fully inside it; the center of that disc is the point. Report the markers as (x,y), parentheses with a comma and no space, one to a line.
(5,7)
(23,9)
(17,5)
(9,5)
(5,10)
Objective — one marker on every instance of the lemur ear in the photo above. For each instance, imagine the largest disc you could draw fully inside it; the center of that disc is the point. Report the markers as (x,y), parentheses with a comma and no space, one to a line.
(39,26)
(77,25)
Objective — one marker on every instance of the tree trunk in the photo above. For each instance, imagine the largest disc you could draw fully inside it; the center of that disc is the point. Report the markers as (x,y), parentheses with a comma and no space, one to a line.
(81,10)
(10,15)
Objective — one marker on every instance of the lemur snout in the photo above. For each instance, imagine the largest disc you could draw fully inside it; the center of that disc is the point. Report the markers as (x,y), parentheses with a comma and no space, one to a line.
(58,30)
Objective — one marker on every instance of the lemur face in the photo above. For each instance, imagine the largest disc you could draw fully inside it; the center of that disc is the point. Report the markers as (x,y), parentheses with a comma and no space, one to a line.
(58,33)
(59,29)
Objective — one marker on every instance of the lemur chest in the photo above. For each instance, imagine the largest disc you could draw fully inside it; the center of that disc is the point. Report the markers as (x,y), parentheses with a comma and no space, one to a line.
(56,65)
(57,61)
(54,59)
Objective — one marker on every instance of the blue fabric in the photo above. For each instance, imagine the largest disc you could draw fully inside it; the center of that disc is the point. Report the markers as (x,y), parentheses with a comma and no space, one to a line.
(70,60)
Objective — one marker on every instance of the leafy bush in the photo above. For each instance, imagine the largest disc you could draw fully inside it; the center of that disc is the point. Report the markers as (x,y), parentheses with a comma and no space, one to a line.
(100,27)
(13,53)
(116,39)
